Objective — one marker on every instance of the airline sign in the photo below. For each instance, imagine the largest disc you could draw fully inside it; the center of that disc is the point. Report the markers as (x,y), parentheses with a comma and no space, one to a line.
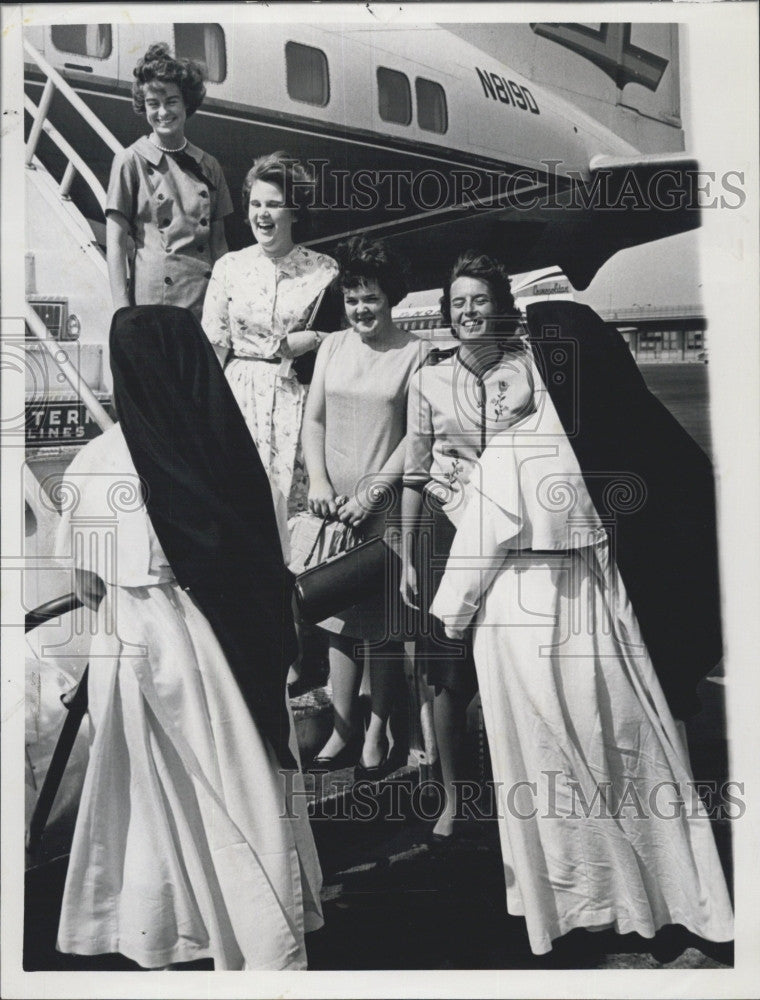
(58,422)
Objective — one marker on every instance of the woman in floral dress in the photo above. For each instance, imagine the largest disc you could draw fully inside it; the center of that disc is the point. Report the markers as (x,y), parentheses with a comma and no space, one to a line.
(258,303)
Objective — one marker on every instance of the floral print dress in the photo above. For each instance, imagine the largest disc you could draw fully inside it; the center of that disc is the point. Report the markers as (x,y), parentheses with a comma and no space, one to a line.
(252,303)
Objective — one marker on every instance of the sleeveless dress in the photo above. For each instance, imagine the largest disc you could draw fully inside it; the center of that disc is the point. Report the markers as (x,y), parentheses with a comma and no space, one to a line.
(365,420)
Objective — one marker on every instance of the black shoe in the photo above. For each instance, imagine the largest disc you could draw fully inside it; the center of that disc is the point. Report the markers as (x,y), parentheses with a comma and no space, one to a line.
(375,773)
(345,757)
(440,844)
(299,686)
(439,839)
(461,834)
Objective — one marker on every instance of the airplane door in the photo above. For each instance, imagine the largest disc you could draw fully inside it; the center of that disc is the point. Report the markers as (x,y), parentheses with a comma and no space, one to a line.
(83,51)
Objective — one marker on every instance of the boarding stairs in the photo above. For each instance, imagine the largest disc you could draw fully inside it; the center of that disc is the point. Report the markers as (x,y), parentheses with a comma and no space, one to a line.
(65,263)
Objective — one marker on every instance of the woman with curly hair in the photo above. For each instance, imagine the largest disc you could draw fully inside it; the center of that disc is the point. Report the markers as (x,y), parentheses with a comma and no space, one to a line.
(457,402)
(353,439)
(167,199)
(259,303)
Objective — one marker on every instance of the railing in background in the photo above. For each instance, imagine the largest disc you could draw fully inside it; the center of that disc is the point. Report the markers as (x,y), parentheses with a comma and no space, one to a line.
(68,369)
(39,112)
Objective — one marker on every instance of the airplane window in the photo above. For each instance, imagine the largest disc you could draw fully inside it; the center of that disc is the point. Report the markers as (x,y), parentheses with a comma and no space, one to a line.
(91,40)
(204,44)
(431,105)
(395,96)
(308,76)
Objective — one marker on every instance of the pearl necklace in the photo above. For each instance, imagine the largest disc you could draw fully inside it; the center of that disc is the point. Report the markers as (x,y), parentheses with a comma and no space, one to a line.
(165,150)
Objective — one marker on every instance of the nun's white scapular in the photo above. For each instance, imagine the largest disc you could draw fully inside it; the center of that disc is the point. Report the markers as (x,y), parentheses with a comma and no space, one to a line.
(587,758)
(189,842)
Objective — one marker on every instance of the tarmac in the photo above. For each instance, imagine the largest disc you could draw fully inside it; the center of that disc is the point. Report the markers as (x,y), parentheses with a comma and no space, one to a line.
(393,901)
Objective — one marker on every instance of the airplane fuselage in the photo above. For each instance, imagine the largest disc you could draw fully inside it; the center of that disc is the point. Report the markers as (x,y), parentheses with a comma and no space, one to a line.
(414,135)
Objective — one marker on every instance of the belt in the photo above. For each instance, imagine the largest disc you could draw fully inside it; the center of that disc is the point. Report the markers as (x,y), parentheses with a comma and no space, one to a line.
(248,357)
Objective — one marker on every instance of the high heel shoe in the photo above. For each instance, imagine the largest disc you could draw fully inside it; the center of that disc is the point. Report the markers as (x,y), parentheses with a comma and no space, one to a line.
(377,771)
(345,757)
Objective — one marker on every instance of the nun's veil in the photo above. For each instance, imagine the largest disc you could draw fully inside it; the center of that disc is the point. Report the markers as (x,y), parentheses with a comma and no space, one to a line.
(208,498)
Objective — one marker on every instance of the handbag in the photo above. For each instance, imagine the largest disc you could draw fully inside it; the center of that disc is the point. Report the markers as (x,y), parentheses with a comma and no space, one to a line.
(314,539)
(343,580)
(303,367)
(325,314)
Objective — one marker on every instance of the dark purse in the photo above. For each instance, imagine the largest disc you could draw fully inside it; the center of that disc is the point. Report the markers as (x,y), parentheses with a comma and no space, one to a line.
(343,580)
(326,314)
(303,367)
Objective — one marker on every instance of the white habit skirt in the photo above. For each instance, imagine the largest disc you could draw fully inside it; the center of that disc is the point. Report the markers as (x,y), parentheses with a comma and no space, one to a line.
(183,847)
(577,724)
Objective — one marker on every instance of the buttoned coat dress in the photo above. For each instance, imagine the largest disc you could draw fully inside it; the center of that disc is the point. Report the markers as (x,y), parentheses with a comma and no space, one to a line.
(170,213)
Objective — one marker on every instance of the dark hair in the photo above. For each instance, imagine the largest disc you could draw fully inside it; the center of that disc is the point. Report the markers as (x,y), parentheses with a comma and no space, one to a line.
(363,260)
(159,66)
(479,265)
(292,178)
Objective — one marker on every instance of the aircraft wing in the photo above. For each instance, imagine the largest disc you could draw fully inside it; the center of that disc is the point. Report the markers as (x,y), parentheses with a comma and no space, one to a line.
(624,202)
(627,202)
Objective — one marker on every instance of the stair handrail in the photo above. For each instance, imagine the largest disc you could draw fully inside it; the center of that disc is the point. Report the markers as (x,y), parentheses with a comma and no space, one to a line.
(54,81)
(68,369)
(75,160)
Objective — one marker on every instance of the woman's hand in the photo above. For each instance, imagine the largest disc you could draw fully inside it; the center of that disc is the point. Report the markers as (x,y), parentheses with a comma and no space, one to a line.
(352,512)
(117,235)
(454,633)
(322,498)
(90,589)
(409,592)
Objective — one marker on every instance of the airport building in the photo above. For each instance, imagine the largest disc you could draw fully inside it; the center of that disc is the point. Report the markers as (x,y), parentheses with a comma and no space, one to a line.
(655,334)
(661,333)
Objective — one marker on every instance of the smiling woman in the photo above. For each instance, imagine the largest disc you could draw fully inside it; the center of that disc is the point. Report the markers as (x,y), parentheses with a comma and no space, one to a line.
(353,440)
(258,306)
(457,402)
(167,199)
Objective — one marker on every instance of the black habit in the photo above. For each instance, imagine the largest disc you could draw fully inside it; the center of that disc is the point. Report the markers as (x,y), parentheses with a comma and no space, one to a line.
(209,499)
(651,484)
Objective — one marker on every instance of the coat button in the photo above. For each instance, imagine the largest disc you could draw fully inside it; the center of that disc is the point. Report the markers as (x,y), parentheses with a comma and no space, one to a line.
(201,248)
(168,280)
(207,274)
(160,197)
(203,194)
(203,222)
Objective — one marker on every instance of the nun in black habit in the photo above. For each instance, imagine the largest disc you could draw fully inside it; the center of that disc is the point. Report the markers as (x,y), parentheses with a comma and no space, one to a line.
(586,561)
(187,843)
